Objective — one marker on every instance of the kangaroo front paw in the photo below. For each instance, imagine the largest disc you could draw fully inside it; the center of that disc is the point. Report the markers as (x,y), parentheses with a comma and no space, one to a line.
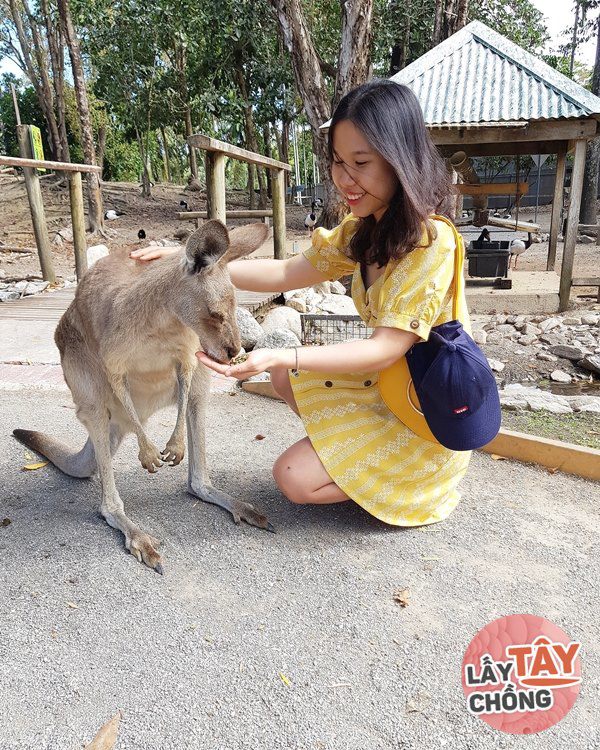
(174,452)
(142,547)
(150,458)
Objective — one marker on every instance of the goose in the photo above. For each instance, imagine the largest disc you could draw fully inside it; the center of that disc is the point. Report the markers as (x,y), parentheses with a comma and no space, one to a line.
(484,236)
(184,206)
(517,247)
(311,218)
(111,214)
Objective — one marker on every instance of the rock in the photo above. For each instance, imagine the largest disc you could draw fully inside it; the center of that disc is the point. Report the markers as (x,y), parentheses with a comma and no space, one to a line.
(20,286)
(527,339)
(8,295)
(297,303)
(551,339)
(529,329)
(94,253)
(66,234)
(494,337)
(250,330)
(58,240)
(280,338)
(590,319)
(571,321)
(35,287)
(323,287)
(479,336)
(548,324)
(337,287)
(585,403)
(546,357)
(585,239)
(567,352)
(338,304)
(68,284)
(283,317)
(590,362)
(511,319)
(560,377)
(548,402)
(496,365)
(512,403)
(520,322)
(505,328)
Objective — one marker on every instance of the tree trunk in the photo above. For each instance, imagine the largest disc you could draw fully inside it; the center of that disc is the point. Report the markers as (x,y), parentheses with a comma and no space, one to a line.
(437,23)
(166,162)
(56,48)
(251,142)
(146,191)
(355,48)
(268,152)
(101,146)
(589,210)
(399,55)
(188,132)
(95,212)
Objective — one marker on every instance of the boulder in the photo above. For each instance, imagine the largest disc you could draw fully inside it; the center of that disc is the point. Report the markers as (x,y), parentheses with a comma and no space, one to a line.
(496,365)
(337,287)
(297,303)
(94,253)
(250,330)
(567,352)
(548,324)
(546,357)
(8,295)
(527,339)
(479,336)
(338,304)
(590,319)
(590,362)
(559,376)
(283,317)
(280,338)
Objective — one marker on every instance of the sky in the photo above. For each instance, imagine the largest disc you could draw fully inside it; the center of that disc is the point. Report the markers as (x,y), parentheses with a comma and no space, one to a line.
(559,15)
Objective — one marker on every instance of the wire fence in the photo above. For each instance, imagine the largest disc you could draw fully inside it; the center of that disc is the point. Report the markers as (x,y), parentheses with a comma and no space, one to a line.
(318,330)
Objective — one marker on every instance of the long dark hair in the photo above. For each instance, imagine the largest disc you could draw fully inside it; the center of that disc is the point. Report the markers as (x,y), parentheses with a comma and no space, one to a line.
(389,116)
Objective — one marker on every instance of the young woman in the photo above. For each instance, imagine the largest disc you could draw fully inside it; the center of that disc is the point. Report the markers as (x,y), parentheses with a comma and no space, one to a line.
(401,260)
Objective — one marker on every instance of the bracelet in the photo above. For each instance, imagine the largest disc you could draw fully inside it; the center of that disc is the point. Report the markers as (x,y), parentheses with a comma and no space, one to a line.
(296,350)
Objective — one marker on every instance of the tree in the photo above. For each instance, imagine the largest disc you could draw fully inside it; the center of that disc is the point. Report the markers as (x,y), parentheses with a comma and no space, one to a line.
(353,68)
(95,211)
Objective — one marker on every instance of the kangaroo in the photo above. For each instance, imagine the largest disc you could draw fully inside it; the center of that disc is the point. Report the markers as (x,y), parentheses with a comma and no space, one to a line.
(127,347)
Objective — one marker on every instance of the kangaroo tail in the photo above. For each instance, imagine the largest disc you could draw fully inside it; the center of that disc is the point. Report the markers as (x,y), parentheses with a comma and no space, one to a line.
(81,464)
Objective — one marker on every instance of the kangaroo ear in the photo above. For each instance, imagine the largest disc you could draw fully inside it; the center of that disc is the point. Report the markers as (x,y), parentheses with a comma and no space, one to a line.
(206,245)
(245,240)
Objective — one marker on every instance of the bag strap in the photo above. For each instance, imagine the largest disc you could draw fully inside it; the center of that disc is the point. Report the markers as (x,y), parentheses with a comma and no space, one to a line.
(459,258)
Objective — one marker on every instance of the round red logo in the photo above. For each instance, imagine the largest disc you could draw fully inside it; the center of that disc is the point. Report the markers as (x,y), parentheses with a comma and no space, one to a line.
(521,674)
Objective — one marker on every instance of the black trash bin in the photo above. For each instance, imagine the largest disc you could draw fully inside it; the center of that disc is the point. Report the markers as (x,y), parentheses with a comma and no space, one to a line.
(488,259)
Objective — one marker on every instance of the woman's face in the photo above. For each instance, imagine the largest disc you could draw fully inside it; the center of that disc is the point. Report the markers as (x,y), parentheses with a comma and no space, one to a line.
(360,173)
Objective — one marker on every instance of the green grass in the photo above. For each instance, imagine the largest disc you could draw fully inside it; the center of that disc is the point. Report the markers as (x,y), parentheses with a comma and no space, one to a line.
(579,428)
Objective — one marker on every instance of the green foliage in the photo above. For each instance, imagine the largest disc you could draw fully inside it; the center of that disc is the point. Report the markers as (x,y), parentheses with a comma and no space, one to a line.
(30,114)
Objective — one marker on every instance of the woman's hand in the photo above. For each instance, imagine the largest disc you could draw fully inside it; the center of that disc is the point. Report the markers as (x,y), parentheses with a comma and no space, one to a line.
(153,253)
(258,361)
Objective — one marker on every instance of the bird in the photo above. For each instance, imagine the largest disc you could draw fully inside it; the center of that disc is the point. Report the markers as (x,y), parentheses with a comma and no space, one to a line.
(484,236)
(318,202)
(507,216)
(141,235)
(311,218)
(111,214)
(183,205)
(517,247)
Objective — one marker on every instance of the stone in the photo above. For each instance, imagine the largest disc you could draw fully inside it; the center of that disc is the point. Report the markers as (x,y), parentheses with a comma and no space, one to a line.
(20,286)
(66,234)
(512,403)
(546,357)
(550,338)
(283,317)
(505,328)
(547,402)
(337,287)
(280,338)
(8,295)
(585,403)
(479,336)
(34,287)
(338,304)
(496,365)
(250,330)
(567,352)
(548,324)
(590,319)
(559,376)
(511,319)
(297,303)
(94,253)
(571,321)
(527,339)
(590,362)
(494,337)
(585,239)
(520,322)
(529,329)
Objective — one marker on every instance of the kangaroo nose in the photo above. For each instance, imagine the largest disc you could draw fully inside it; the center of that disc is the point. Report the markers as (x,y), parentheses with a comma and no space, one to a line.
(232,352)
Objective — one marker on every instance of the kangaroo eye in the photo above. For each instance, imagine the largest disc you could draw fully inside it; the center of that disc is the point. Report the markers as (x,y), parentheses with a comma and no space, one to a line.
(217,317)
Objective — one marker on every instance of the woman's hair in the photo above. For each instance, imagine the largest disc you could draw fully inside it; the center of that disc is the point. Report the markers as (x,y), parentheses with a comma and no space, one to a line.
(388,114)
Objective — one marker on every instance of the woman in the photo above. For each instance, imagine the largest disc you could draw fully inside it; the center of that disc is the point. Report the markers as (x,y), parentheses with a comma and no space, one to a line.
(401,260)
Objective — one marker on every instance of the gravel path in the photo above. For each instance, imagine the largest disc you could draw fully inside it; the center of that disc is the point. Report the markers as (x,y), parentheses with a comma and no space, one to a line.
(199,657)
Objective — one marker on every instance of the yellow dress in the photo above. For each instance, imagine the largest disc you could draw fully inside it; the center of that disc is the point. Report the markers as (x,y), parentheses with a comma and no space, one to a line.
(368,452)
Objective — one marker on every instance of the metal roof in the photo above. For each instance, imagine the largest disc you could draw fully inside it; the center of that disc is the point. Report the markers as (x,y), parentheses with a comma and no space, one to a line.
(479,76)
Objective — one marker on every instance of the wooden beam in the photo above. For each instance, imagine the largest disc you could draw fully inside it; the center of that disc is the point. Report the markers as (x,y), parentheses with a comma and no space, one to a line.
(586,281)
(278,194)
(494,188)
(566,269)
(213,145)
(502,148)
(557,204)
(78,224)
(554,454)
(215,186)
(555,130)
(36,205)
(254,214)
(521,226)
(60,166)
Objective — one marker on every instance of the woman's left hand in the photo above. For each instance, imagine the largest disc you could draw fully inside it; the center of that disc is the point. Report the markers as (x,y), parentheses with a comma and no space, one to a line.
(258,361)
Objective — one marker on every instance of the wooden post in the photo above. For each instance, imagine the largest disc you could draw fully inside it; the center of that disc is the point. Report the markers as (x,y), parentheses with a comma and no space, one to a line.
(208,168)
(78,223)
(278,188)
(557,204)
(36,205)
(216,187)
(566,269)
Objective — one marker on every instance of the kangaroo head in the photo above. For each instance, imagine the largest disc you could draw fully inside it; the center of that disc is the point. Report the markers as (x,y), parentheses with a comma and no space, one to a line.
(205,300)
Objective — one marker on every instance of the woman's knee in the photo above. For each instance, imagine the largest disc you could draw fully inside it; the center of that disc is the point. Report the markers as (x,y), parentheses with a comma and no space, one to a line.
(287,479)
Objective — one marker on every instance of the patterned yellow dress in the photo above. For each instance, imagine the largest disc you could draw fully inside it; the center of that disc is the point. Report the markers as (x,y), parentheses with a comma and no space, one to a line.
(368,452)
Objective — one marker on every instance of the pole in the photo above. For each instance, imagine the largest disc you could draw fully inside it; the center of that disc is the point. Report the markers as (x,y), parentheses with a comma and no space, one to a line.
(15,103)
(36,205)
(78,223)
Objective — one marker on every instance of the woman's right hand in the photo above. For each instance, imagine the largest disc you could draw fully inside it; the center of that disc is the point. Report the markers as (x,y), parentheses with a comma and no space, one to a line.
(153,253)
